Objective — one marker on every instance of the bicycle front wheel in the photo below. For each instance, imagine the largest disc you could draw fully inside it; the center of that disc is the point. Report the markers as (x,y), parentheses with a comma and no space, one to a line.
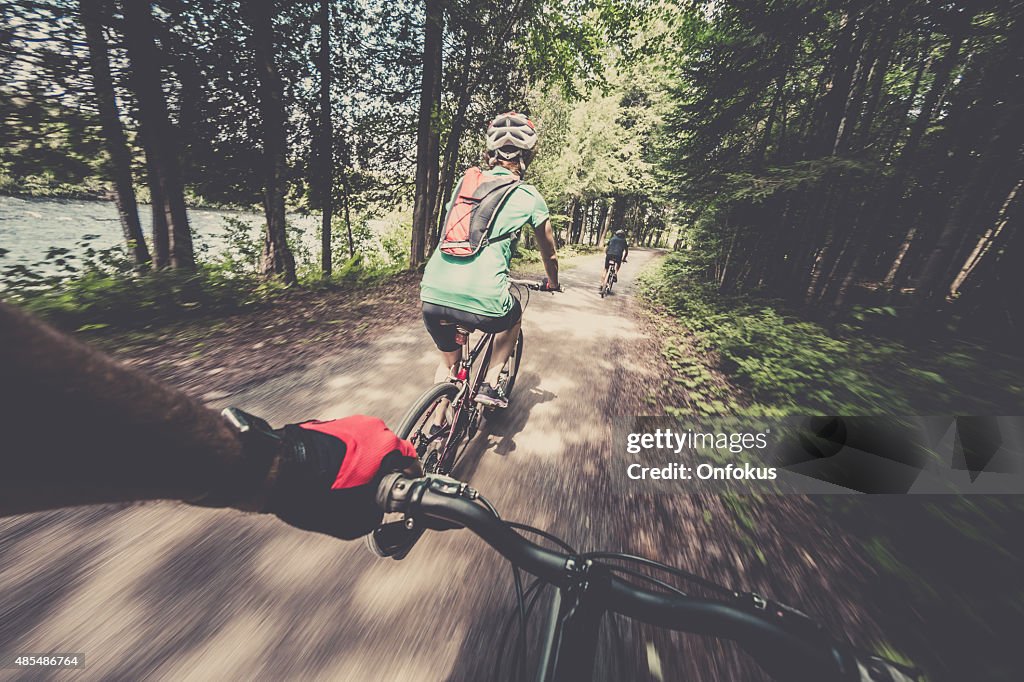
(428,423)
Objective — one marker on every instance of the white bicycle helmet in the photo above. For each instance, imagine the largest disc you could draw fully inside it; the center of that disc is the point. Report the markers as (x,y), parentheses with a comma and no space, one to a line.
(510,135)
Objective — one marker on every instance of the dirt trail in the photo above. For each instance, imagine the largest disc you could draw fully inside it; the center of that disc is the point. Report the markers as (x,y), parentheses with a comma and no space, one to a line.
(165,591)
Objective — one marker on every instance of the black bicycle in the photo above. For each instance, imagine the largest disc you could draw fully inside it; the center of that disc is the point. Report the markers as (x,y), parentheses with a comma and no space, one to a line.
(786,643)
(446,416)
(610,277)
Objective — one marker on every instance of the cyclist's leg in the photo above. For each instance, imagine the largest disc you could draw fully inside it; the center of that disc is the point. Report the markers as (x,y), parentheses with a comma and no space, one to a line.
(445,368)
(504,342)
(506,331)
(444,338)
(451,352)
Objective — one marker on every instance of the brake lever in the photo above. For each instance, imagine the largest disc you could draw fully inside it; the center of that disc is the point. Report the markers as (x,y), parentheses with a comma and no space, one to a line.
(398,493)
(393,540)
(856,665)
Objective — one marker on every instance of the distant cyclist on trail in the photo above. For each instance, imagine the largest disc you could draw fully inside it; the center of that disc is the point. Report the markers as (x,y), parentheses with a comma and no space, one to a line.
(466,280)
(616,252)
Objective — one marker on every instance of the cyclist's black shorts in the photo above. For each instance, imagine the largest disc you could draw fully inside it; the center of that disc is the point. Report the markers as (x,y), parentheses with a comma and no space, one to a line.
(609,259)
(440,322)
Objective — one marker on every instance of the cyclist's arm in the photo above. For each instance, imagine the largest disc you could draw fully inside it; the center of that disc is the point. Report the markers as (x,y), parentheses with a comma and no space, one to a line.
(548,252)
(80,428)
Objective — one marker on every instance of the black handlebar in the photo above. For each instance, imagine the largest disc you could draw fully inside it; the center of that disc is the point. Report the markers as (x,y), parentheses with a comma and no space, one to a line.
(536,286)
(787,644)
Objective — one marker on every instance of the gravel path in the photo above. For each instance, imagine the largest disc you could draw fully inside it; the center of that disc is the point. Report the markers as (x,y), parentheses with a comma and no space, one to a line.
(165,591)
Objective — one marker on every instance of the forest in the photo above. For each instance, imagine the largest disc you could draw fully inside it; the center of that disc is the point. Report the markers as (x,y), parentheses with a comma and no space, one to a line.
(845,158)
(824,201)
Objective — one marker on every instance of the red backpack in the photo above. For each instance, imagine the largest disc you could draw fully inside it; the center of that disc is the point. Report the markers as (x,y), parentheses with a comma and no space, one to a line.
(467,227)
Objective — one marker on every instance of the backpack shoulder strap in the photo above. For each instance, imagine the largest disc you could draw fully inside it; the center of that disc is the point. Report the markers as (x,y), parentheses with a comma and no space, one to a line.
(494,194)
(441,227)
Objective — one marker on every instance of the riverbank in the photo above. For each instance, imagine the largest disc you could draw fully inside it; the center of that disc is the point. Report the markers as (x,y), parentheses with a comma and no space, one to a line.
(38,187)
(30,227)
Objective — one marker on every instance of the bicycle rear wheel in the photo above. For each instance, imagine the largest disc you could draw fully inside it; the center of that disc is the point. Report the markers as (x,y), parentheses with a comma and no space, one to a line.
(419,424)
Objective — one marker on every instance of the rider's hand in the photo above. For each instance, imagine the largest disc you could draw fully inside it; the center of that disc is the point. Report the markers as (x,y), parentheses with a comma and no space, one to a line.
(328,473)
(547,285)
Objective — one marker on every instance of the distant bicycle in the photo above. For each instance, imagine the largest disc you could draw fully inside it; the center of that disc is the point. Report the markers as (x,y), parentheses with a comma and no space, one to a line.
(610,276)
(446,417)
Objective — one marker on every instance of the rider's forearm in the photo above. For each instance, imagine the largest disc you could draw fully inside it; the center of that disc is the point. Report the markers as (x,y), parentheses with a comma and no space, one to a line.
(80,428)
(548,252)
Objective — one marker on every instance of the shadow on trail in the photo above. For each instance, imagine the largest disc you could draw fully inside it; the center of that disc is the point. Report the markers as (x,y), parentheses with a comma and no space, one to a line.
(504,425)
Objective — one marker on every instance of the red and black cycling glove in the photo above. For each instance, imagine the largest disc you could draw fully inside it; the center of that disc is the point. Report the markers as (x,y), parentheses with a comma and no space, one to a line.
(325,473)
(329,471)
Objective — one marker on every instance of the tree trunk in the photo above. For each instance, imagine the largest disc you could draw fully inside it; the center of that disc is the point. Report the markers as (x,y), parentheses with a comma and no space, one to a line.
(780,85)
(158,135)
(602,223)
(1004,142)
(577,220)
(606,216)
(93,19)
(428,133)
(923,64)
(589,217)
(348,217)
(942,73)
(326,145)
(991,237)
(851,113)
(619,208)
(833,102)
(897,185)
(451,147)
(277,257)
(158,204)
(876,79)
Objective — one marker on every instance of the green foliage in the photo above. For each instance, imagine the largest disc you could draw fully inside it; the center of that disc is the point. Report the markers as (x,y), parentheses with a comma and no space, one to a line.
(597,146)
(101,289)
(85,288)
(47,149)
(785,364)
(929,558)
(244,244)
(818,150)
(754,187)
(522,255)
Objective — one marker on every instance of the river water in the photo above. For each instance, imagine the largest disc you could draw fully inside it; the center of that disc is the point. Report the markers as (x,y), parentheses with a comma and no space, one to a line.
(30,227)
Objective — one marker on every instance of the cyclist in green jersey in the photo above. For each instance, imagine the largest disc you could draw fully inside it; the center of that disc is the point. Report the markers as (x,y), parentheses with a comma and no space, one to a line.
(474,292)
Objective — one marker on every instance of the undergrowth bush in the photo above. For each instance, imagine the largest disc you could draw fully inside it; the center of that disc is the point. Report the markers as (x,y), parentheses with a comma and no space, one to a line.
(85,288)
(787,364)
